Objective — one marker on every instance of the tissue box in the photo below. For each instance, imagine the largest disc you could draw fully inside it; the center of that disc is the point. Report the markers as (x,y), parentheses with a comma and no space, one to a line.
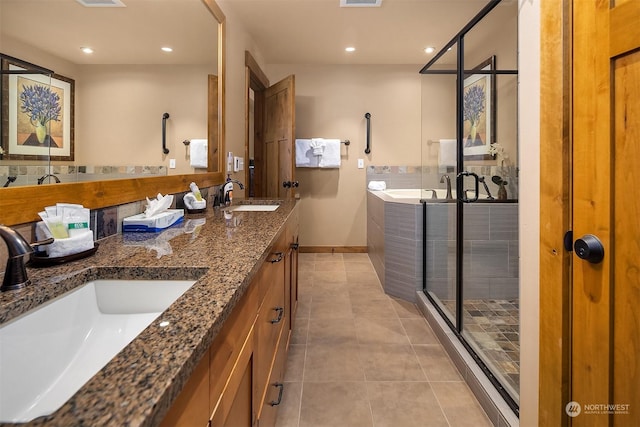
(71,245)
(157,222)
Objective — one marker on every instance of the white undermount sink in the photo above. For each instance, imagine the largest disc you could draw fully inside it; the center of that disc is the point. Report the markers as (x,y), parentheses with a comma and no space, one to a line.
(255,208)
(47,354)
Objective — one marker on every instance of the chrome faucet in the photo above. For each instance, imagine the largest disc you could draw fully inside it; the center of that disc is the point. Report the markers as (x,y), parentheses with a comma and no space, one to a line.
(226,192)
(49,175)
(15,274)
(448,180)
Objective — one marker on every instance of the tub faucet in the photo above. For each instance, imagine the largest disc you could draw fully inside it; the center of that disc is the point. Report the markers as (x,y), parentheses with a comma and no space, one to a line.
(15,274)
(448,180)
(10,179)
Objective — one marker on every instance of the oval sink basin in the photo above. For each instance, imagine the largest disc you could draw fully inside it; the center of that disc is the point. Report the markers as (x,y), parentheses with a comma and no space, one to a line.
(48,353)
(255,208)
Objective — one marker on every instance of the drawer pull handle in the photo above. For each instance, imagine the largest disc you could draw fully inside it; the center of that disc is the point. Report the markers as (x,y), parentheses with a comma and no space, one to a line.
(277,402)
(279,256)
(280,311)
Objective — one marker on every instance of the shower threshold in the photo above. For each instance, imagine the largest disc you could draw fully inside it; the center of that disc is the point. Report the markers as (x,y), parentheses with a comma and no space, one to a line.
(494,404)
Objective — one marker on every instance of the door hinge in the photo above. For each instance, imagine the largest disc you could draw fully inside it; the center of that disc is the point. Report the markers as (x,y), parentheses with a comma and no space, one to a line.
(568,241)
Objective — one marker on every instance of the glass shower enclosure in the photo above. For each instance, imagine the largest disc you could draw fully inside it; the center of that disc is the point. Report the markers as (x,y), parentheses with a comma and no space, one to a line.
(470,145)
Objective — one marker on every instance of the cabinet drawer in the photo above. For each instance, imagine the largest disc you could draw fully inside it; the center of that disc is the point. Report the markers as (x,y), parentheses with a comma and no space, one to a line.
(269,326)
(275,390)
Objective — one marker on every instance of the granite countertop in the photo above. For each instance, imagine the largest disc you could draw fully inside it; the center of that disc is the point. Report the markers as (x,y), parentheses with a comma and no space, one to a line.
(138,386)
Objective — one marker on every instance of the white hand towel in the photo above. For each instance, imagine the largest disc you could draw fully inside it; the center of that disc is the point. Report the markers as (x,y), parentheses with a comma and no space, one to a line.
(377,185)
(331,155)
(447,153)
(198,153)
(304,154)
(317,145)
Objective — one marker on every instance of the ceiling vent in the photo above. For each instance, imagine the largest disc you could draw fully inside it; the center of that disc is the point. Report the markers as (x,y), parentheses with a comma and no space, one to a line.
(360,3)
(101,3)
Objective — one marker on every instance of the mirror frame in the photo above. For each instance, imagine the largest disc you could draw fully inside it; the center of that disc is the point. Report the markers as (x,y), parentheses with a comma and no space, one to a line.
(20,205)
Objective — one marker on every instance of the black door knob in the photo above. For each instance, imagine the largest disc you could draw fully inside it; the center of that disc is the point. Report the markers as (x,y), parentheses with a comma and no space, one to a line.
(589,248)
(286,184)
(295,184)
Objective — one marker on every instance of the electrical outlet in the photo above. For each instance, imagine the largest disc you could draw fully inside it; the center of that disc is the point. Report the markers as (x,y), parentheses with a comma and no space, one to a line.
(172,163)
(360,163)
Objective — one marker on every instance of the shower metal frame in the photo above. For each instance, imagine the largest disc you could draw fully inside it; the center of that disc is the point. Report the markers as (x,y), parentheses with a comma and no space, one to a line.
(461,73)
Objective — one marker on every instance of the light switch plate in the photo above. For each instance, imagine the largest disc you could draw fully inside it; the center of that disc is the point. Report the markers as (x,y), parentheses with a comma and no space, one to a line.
(172,163)
(360,163)
(238,164)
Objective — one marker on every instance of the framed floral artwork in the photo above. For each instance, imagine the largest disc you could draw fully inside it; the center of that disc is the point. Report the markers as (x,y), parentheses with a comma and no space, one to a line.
(37,114)
(479,111)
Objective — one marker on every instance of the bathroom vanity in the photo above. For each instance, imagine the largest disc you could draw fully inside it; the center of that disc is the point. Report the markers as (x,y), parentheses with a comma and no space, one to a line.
(217,354)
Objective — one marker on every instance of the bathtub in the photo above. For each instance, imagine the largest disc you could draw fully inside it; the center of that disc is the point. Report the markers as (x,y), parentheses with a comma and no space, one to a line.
(417,193)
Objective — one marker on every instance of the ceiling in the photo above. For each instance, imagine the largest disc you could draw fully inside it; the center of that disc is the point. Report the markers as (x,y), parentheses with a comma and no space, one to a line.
(317,31)
(286,31)
(118,35)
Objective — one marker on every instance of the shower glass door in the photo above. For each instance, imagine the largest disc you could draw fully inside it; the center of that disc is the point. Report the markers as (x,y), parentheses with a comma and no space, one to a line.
(471,242)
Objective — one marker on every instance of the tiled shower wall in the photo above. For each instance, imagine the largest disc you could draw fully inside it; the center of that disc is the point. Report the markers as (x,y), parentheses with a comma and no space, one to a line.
(491,254)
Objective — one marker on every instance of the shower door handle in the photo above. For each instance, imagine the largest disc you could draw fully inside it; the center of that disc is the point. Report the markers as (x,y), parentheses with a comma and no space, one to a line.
(461,194)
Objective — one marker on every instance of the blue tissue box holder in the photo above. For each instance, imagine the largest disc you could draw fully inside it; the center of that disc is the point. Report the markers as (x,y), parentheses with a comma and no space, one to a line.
(154,223)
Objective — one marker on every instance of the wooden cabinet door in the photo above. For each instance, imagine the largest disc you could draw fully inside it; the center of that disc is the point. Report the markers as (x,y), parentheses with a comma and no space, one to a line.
(191,408)
(235,404)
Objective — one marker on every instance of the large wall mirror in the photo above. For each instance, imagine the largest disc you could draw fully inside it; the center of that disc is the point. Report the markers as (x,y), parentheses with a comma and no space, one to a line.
(120,95)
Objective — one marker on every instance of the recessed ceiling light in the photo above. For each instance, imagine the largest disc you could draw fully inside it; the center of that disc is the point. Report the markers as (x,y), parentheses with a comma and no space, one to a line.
(350,49)
(167,49)
(429,49)
(86,50)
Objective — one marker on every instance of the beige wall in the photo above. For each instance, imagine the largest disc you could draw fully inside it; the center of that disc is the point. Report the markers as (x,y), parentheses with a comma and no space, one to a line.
(529,113)
(331,101)
(119,114)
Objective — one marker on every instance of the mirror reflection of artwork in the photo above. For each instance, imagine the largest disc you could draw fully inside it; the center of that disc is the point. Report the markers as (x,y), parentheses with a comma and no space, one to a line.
(40,115)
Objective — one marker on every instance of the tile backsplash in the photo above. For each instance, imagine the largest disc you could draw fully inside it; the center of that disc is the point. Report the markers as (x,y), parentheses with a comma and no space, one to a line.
(29,174)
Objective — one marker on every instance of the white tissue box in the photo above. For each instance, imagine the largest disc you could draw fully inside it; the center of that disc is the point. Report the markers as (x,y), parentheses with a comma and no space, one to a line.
(72,245)
(157,222)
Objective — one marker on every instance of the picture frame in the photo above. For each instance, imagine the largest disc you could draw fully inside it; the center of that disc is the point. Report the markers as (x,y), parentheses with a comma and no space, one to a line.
(479,111)
(37,114)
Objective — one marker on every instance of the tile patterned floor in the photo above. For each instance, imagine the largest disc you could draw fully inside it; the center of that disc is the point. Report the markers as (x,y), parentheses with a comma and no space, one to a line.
(493,329)
(361,358)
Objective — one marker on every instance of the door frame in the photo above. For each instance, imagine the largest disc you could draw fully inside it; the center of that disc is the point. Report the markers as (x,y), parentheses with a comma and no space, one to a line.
(256,80)
(555,210)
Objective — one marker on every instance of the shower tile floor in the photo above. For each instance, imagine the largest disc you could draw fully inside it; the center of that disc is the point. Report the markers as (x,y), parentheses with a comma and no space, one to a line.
(361,358)
(495,332)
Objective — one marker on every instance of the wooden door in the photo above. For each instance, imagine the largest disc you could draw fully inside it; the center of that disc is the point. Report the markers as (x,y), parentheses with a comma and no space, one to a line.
(605,305)
(279,138)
